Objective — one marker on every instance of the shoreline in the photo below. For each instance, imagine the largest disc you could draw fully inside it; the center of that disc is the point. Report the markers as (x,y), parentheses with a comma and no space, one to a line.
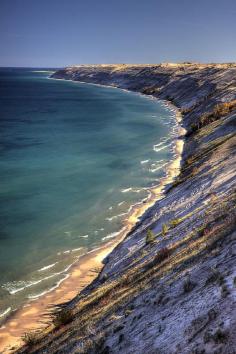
(27,318)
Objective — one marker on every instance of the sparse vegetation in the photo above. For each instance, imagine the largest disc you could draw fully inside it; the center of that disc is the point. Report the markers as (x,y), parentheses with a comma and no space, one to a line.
(215,276)
(31,338)
(188,285)
(220,336)
(128,312)
(175,222)
(224,290)
(164,229)
(150,237)
(62,317)
(161,255)
(220,110)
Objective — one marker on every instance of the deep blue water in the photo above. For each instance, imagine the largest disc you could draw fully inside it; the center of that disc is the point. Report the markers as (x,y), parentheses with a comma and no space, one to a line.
(69,155)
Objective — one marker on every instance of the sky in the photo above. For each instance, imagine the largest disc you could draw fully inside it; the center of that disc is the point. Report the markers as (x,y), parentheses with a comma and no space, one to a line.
(57,33)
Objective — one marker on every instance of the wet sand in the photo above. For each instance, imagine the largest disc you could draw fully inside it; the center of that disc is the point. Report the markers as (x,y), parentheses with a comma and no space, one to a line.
(34,314)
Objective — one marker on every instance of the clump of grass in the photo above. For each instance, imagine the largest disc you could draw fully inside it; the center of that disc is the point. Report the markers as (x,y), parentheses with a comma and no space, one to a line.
(161,255)
(212,313)
(220,110)
(188,285)
(164,229)
(31,338)
(215,277)
(104,278)
(201,230)
(150,237)
(234,281)
(121,337)
(207,336)
(118,328)
(224,290)
(128,312)
(175,222)
(62,317)
(220,336)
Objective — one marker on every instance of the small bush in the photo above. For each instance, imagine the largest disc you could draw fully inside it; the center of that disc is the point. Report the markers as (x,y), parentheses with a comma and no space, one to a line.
(188,285)
(234,281)
(215,277)
(128,312)
(160,257)
(220,336)
(162,254)
(31,338)
(218,111)
(150,237)
(164,229)
(224,290)
(175,222)
(62,317)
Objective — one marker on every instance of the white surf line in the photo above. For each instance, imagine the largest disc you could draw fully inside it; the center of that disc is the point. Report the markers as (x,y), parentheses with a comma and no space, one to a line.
(47,267)
(144,161)
(113,234)
(34,297)
(4,313)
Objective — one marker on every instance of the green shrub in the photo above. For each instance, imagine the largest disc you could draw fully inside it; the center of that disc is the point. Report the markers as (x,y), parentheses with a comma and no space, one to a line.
(161,255)
(188,285)
(215,277)
(175,222)
(150,237)
(164,229)
(224,290)
(234,281)
(220,336)
(31,338)
(62,317)
(220,110)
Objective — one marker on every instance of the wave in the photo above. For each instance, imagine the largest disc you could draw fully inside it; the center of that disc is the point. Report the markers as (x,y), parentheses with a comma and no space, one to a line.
(93,250)
(155,148)
(131,189)
(33,297)
(126,190)
(157,167)
(83,236)
(144,161)
(119,204)
(116,216)
(113,234)
(47,267)
(4,313)
(76,249)
(16,287)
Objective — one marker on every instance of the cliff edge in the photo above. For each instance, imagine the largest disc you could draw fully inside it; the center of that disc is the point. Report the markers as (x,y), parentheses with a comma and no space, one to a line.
(170,285)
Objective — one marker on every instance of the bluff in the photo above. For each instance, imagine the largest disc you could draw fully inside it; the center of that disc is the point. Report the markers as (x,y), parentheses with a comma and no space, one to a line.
(173,292)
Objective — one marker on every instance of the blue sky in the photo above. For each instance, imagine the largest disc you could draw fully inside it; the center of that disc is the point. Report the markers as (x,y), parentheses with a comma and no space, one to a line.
(54,33)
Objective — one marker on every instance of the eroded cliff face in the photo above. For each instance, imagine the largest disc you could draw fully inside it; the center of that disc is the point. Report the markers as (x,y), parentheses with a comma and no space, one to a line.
(175,294)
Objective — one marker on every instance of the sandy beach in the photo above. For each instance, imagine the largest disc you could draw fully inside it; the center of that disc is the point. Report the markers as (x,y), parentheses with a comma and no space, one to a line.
(34,314)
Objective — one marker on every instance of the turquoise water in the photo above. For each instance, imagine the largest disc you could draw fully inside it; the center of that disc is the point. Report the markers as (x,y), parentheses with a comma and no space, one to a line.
(74,158)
